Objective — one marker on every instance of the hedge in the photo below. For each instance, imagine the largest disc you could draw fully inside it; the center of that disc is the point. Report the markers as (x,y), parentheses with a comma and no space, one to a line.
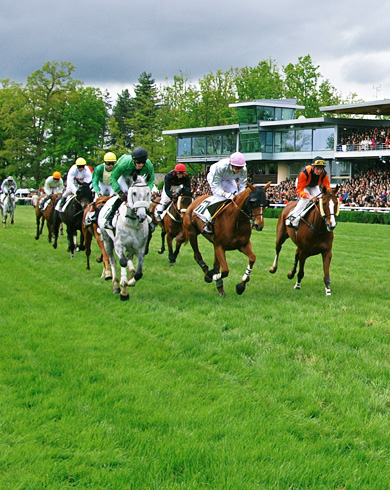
(344,216)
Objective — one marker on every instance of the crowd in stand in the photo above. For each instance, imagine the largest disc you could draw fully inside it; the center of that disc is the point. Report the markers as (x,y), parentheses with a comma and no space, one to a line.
(365,139)
(367,189)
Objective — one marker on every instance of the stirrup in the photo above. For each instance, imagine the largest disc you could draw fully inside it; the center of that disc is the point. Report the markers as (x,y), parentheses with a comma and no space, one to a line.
(108,225)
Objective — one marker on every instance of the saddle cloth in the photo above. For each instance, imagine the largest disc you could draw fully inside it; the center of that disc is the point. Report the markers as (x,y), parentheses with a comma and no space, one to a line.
(206,208)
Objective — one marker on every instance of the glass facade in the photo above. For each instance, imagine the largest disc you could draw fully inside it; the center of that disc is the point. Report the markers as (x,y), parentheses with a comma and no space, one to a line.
(249,142)
(251,115)
(213,144)
(323,139)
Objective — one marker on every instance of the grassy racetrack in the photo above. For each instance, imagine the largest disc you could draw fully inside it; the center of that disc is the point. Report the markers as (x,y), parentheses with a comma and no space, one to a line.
(181,389)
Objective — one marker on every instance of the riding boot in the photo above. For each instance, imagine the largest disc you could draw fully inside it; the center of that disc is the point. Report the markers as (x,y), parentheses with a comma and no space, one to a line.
(61,203)
(110,216)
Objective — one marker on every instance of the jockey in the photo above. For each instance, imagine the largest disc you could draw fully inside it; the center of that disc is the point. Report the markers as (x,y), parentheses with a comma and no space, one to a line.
(176,182)
(309,183)
(132,165)
(227,178)
(102,175)
(53,185)
(78,173)
(8,185)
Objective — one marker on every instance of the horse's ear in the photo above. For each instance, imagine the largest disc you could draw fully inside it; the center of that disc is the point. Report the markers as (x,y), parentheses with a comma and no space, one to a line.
(267,185)
(324,190)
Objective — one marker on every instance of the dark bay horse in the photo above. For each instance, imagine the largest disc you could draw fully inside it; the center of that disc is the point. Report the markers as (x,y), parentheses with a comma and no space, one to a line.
(314,235)
(72,217)
(232,231)
(92,230)
(46,214)
(172,226)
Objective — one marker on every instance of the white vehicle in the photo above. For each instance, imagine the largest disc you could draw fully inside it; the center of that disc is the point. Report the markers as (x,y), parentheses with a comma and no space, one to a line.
(23,196)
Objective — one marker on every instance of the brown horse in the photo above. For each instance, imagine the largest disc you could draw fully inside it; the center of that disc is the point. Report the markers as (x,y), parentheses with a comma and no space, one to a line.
(90,231)
(45,215)
(314,235)
(232,231)
(172,226)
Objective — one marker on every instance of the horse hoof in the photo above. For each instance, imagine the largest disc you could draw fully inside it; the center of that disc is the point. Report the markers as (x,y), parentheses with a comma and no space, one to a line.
(171,264)
(99,260)
(222,294)
(328,292)
(272,270)
(240,289)
(290,276)
(208,279)
(297,286)
(123,262)
(108,278)
(116,291)
(160,251)
(125,298)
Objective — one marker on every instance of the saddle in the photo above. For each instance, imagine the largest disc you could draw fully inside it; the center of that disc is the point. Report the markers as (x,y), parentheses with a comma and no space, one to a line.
(209,210)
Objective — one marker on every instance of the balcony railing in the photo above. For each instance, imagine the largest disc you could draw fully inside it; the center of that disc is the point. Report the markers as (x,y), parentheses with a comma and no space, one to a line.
(363,147)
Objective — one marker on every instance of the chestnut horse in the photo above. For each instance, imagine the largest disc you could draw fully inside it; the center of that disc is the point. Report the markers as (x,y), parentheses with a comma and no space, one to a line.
(314,235)
(45,215)
(232,231)
(172,226)
(91,230)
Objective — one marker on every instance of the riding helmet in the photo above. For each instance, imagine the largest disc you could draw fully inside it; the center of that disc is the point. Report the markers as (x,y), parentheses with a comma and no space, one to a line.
(140,155)
(81,162)
(56,175)
(319,162)
(237,159)
(180,167)
(110,157)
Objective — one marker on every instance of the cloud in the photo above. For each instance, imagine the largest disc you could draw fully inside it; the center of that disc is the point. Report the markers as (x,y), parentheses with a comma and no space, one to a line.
(113,43)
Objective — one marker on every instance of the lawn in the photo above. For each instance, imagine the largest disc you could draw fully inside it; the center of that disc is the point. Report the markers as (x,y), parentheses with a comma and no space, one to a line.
(181,389)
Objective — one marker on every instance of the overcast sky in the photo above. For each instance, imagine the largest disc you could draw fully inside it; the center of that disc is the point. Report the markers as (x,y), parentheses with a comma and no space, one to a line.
(112,42)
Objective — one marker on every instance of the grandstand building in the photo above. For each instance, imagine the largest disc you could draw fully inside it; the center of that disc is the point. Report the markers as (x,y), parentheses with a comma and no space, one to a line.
(277,145)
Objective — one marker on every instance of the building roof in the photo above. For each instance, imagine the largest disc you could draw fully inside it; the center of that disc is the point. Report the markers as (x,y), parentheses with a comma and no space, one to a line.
(377,107)
(205,130)
(286,103)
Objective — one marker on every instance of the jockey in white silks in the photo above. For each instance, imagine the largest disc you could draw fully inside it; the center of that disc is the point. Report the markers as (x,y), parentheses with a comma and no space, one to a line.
(8,185)
(53,185)
(227,178)
(78,173)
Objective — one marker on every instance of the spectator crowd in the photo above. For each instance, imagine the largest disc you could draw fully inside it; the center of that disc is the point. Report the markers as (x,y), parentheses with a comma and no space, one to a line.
(364,139)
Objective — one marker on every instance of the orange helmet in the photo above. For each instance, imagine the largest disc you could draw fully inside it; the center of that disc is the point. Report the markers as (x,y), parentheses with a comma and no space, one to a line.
(57,175)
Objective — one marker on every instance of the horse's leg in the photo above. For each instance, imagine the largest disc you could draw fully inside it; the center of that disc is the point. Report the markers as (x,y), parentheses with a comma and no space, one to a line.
(38,221)
(171,255)
(281,237)
(220,269)
(109,247)
(12,214)
(326,258)
(56,226)
(247,250)
(87,239)
(106,261)
(301,271)
(193,238)
(162,249)
(291,274)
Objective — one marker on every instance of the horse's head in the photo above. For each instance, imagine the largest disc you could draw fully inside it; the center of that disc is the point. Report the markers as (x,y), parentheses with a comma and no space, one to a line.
(138,199)
(255,205)
(329,206)
(184,200)
(84,194)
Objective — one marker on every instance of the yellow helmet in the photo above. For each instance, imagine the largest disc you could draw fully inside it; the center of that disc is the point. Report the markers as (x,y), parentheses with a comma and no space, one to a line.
(110,157)
(56,175)
(81,162)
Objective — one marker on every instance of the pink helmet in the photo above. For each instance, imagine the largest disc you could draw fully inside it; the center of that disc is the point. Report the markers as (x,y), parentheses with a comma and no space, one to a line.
(237,159)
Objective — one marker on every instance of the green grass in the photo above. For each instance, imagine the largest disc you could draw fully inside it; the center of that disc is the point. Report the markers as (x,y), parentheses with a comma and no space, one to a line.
(181,389)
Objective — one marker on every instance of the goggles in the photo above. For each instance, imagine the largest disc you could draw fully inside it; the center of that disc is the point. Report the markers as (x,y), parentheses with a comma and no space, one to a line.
(319,163)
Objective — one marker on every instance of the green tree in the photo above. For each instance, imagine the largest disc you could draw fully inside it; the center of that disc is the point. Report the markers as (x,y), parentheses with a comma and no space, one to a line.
(122,112)
(145,119)
(263,81)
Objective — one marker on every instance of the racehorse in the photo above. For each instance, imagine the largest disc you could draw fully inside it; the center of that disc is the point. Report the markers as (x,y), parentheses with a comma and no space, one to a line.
(72,217)
(91,230)
(130,238)
(314,235)
(8,207)
(232,231)
(172,226)
(46,214)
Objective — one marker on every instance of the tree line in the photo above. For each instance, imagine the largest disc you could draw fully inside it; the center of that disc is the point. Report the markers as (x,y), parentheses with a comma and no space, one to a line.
(52,119)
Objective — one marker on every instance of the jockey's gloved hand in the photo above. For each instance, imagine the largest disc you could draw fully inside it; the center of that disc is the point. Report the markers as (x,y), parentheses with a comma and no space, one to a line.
(123,196)
(228,195)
